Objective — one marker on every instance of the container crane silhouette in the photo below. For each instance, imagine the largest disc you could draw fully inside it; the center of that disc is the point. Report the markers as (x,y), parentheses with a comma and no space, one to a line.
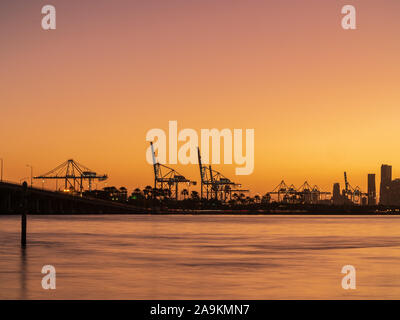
(304,194)
(73,174)
(214,184)
(166,179)
(352,194)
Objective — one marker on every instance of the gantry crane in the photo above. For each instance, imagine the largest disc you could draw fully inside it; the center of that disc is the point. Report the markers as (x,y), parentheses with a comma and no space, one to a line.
(166,179)
(282,188)
(214,184)
(352,194)
(304,194)
(289,192)
(73,174)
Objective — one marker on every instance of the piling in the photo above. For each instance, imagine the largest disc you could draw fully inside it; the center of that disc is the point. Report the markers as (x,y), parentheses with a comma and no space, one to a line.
(23,214)
(23,229)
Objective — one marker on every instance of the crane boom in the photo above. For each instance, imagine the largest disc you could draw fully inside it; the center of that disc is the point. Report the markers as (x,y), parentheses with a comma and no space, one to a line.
(166,178)
(153,155)
(155,164)
(213,182)
(346,182)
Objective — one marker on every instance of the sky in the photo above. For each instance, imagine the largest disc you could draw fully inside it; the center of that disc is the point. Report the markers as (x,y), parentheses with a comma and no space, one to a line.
(322,100)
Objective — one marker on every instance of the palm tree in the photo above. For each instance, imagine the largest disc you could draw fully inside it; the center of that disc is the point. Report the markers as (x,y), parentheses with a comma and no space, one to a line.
(137,194)
(184,193)
(166,193)
(123,192)
(156,193)
(266,198)
(249,200)
(194,195)
(147,191)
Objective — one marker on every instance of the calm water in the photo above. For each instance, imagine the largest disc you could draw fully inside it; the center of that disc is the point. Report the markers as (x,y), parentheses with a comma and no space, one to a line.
(200,257)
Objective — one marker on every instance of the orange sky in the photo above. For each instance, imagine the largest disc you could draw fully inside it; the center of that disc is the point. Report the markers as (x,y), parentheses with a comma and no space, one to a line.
(322,100)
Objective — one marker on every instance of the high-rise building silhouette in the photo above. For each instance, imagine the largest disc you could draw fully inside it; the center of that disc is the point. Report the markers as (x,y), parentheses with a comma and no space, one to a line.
(337,198)
(371,189)
(394,193)
(386,179)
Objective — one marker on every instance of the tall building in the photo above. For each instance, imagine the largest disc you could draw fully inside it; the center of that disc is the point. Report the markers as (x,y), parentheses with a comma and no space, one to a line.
(394,193)
(371,189)
(337,198)
(386,179)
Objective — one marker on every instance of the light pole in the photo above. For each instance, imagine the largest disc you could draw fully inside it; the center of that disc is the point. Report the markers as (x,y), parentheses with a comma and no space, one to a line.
(29,166)
(2,162)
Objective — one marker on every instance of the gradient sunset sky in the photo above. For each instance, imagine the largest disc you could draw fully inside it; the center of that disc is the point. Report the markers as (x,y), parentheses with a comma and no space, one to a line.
(322,100)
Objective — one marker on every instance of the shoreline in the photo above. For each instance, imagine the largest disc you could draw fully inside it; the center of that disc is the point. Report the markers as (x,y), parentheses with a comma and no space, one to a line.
(217,213)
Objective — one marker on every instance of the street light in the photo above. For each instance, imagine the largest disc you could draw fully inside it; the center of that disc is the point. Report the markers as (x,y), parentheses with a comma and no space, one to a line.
(29,166)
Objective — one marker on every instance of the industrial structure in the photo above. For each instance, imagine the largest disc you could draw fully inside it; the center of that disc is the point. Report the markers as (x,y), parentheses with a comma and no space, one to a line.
(389,188)
(14,199)
(386,179)
(304,194)
(74,176)
(371,189)
(389,193)
(214,185)
(166,179)
(353,195)
(337,198)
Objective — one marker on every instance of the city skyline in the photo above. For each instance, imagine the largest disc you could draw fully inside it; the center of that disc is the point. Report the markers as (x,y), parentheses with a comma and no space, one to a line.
(370,192)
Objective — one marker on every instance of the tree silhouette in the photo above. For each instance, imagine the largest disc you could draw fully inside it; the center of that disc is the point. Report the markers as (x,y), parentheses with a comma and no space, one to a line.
(184,193)
(148,192)
(194,195)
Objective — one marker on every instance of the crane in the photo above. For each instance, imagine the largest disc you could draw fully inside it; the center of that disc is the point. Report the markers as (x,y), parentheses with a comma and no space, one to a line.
(73,174)
(215,184)
(281,188)
(352,194)
(304,194)
(166,179)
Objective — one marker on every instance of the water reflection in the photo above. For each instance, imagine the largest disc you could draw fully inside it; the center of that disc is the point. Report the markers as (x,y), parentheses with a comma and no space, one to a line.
(201,257)
(23,273)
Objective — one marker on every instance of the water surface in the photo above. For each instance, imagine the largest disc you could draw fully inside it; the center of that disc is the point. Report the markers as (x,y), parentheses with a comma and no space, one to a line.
(201,257)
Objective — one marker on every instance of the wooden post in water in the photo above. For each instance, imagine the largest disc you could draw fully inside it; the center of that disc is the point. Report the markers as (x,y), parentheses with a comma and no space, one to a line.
(23,214)
(23,229)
